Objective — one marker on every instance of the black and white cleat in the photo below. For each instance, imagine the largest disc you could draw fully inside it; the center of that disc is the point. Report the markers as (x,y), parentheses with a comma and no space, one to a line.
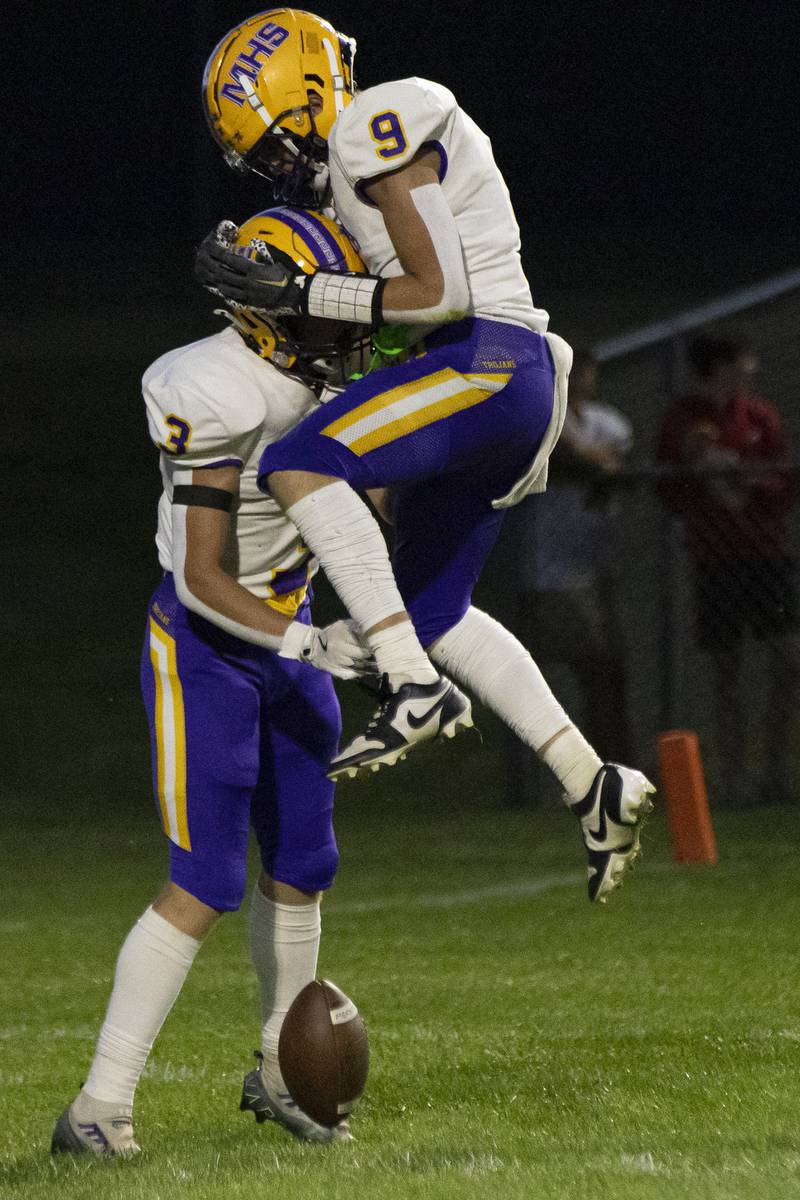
(611,816)
(415,713)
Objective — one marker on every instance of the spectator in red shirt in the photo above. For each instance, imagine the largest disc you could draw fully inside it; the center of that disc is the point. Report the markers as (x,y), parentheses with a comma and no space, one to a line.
(744,577)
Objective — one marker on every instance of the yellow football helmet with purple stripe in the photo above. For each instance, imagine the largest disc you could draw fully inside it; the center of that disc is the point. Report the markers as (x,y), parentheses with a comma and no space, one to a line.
(272,89)
(315,350)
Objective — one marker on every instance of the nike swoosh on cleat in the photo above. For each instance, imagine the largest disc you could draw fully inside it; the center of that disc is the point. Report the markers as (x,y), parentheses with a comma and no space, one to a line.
(418,722)
(601,832)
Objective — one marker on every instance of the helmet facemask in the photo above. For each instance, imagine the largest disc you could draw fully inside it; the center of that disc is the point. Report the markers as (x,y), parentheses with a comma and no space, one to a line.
(305,182)
(323,354)
(327,354)
(290,63)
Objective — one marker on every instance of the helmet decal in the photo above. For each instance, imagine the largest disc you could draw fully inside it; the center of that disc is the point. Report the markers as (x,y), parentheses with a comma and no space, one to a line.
(247,64)
(257,97)
(317,235)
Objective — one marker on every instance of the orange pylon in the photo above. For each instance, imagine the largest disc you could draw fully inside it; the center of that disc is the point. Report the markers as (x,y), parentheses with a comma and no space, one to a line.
(684,788)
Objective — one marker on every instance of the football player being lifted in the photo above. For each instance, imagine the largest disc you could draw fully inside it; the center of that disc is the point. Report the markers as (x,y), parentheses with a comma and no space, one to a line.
(458,431)
(243,724)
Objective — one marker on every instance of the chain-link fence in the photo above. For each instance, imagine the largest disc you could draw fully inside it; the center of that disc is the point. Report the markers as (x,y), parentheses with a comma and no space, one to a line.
(687,617)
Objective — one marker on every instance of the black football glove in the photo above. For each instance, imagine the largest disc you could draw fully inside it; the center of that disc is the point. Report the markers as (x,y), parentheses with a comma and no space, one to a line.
(258,282)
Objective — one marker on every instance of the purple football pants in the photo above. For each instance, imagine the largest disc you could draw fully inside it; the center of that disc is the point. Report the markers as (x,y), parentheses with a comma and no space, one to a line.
(449,431)
(239,736)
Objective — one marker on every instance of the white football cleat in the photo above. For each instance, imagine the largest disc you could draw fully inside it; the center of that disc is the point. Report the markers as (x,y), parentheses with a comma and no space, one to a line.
(269,1105)
(415,713)
(611,817)
(89,1126)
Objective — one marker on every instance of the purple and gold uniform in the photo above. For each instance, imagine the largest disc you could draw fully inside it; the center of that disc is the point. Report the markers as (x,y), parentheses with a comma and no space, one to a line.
(239,735)
(449,431)
(465,427)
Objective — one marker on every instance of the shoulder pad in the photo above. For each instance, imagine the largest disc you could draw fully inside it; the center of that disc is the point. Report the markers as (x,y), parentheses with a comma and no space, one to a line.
(385,126)
(203,401)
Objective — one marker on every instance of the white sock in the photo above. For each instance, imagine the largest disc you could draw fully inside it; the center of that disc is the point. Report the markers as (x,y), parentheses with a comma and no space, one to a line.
(284,945)
(482,654)
(574,763)
(337,525)
(397,652)
(153,963)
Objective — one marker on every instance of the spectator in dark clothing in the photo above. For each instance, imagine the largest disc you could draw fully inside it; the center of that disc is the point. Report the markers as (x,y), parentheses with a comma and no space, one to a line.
(744,577)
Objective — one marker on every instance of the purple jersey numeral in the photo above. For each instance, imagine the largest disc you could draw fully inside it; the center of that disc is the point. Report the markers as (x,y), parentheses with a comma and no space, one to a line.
(387,128)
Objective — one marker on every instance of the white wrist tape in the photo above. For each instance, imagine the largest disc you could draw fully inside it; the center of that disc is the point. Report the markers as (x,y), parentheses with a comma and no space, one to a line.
(454,304)
(344,297)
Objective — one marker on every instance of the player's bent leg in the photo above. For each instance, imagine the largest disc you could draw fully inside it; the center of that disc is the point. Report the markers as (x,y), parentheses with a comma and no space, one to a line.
(339,527)
(312,477)
(346,538)
(610,802)
(288,487)
(416,704)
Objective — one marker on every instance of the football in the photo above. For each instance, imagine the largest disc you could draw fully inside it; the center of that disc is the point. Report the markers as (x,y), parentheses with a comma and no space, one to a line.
(323,1052)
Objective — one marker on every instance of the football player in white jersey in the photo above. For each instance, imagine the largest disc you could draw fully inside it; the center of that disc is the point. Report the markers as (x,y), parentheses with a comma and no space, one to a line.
(242,723)
(458,431)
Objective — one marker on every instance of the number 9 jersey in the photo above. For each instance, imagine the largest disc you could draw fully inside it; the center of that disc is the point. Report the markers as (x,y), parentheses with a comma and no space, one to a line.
(383,128)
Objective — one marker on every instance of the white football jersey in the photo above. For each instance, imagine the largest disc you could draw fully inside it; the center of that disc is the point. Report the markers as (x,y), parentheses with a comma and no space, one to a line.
(382,129)
(215,402)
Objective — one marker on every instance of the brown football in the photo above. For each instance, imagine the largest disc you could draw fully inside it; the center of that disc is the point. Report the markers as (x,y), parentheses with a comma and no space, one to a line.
(323,1052)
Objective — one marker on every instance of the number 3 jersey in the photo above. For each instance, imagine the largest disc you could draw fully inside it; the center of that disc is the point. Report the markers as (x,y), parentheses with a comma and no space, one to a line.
(216,403)
(382,129)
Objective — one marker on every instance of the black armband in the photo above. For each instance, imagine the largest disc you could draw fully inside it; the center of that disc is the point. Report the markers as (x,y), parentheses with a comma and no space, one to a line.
(197,496)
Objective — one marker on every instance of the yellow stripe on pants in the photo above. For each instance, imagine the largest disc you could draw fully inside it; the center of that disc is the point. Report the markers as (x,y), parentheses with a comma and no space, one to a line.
(418,420)
(170,727)
(385,399)
(411,406)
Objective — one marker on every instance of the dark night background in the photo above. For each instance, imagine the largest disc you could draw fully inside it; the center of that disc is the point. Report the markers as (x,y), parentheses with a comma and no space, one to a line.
(650,150)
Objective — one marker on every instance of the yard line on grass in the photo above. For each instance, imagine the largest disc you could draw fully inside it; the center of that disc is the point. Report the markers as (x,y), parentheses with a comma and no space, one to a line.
(498,891)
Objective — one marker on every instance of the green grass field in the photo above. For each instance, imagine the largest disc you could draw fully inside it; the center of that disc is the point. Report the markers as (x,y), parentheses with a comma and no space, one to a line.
(524,1043)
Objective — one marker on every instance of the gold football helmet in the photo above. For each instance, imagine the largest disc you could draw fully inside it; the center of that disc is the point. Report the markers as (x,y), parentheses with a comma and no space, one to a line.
(272,89)
(319,352)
